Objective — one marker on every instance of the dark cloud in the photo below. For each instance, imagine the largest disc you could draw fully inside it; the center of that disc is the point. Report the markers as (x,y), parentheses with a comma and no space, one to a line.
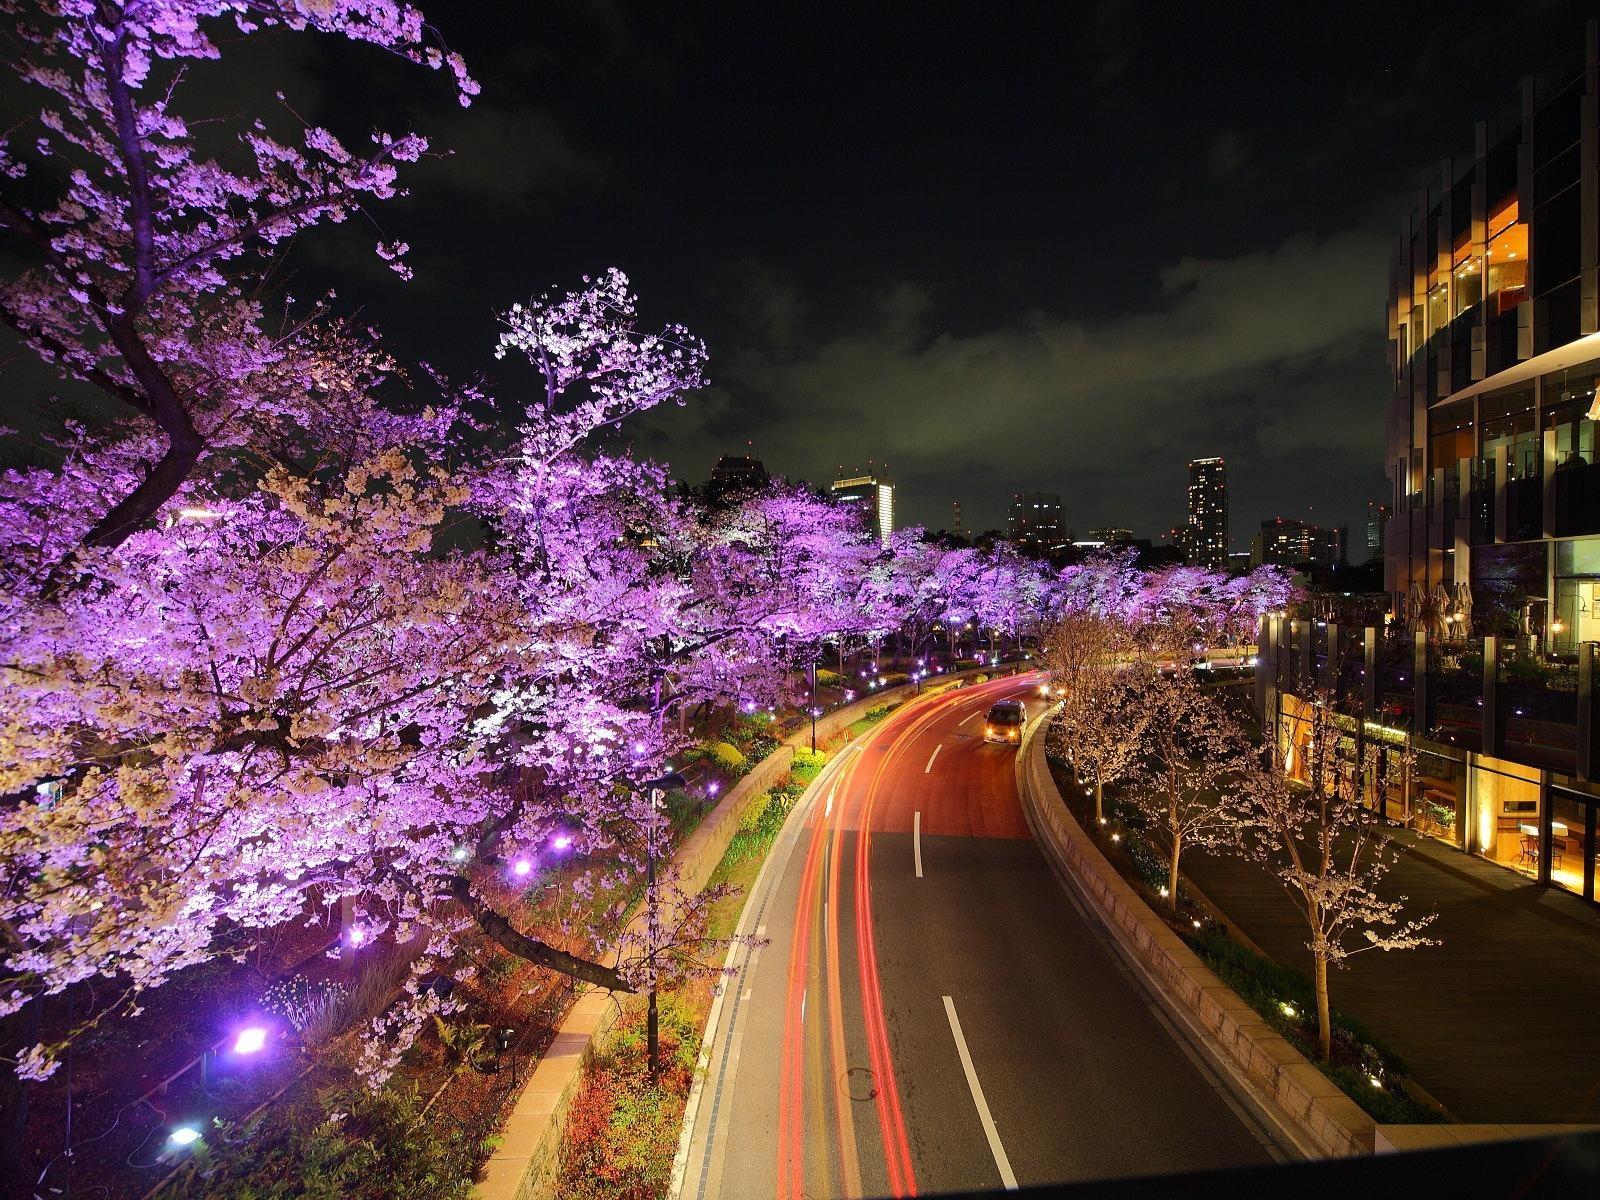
(1251,357)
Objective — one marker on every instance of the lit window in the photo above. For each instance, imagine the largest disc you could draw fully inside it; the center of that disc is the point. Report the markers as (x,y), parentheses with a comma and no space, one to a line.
(1507,257)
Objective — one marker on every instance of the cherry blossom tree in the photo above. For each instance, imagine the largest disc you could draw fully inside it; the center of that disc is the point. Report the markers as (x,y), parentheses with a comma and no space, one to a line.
(1309,819)
(1103,694)
(1194,757)
(143,246)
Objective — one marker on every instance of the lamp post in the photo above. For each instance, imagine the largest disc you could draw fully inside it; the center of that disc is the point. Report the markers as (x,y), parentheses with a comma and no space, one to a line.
(654,788)
(811,676)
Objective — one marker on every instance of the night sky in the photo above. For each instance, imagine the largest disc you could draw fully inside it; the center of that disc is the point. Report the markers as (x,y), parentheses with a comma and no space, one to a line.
(998,246)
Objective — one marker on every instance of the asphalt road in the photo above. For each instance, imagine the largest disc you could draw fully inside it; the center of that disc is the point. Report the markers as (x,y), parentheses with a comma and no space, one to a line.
(928,1009)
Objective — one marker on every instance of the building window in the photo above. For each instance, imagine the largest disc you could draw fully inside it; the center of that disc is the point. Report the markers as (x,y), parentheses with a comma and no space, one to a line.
(1468,273)
(1507,257)
(1570,413)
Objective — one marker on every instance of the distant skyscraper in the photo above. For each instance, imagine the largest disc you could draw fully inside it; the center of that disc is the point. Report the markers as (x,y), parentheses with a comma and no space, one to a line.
(955,506)
(873,498)
(736,473)
(1286,542)
(1205,539)
(1112,535)
(1377,524)
(1035,522)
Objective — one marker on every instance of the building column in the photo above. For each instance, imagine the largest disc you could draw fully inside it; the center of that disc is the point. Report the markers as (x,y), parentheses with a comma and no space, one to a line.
(1586,759)
(1422,719)
(1491,696)
(1330,671)
(1369,675)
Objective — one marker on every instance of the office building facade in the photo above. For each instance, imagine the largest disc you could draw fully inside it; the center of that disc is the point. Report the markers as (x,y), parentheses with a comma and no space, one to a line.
(1205,536)
(873,497)
(1494,336)
(1287,542)
(1488,685)
(1034,525)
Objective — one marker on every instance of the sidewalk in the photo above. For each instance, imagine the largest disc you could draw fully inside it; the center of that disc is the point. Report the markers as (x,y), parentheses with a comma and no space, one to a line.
(1499,1022)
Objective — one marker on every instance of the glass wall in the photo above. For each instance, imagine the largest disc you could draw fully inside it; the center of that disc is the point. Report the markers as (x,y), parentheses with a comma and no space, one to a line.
(1505,802)
(1577,593)
(1507,424)
(1570,414)
(1571,863)
(1508,258)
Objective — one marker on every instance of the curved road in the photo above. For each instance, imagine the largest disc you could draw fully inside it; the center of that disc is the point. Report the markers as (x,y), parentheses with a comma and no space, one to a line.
(927,1009)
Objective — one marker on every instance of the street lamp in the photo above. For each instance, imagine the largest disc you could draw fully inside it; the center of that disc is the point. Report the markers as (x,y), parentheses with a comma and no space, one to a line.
(653,788)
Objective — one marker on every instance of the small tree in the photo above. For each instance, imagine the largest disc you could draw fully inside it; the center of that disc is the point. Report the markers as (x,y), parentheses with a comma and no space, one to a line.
(1308,819)
(1194,758)
(1103,716)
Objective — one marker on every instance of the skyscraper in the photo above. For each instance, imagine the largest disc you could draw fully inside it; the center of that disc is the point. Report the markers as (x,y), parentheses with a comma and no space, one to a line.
(873,497)
(1377,525)
(1034,525)
(1205,541)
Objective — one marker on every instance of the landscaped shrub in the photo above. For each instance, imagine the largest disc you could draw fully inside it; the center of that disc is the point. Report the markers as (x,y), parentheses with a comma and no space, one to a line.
(725,757)
(364,1148)
(1267,986)
(807,766)
(827,678)
(895,678)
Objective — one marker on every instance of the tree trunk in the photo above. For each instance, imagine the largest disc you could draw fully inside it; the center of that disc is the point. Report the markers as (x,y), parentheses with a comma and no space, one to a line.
(1099,802)
(1324,1024)
(1172,875)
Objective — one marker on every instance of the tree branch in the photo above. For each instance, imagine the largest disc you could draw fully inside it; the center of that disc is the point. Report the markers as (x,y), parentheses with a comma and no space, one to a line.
(535,951)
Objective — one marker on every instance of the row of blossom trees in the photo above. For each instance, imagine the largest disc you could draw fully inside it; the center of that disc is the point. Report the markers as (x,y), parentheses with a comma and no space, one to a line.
(299,625)
(1133,712)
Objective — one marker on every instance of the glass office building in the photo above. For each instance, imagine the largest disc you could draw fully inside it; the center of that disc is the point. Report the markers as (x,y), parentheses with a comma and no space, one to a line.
(1494,336)
(1488,677)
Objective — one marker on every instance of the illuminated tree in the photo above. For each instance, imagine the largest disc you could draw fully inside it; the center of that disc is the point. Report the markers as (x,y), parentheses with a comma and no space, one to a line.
(1104,697)
(1308,819)
(1194,755)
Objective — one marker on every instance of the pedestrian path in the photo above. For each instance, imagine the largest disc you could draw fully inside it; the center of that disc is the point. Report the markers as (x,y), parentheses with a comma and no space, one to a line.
(1500,1023)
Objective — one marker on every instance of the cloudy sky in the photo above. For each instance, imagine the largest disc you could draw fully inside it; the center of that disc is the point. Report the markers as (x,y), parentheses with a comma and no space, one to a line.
(1063,246)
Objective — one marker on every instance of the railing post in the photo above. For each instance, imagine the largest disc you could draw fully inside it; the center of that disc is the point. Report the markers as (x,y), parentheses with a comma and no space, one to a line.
(1421,719)
(1369,680)
(1491,696)
(1586,762)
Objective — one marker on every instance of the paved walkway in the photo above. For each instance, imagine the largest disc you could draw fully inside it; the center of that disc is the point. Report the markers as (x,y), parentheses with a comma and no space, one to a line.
(1501,1023)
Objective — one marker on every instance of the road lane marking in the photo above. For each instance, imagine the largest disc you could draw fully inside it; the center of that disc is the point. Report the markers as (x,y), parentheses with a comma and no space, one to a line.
(989,1131)
(929,768)
(969,717)
(916,840)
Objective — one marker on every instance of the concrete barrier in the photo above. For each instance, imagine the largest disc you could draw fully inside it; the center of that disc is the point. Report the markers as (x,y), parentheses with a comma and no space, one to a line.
(1314,1114)
(524,1165)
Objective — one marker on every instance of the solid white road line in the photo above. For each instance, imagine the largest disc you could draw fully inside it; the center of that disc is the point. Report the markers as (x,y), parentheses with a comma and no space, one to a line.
(968,717)
(916,840)
(989,1131)
(931,757)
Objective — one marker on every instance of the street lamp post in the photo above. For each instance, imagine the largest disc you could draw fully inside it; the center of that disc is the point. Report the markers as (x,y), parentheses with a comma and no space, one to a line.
(654,788)
(811,673)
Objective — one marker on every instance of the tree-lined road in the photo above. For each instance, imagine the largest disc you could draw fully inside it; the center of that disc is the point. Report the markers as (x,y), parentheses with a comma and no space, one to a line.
(930,1011)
